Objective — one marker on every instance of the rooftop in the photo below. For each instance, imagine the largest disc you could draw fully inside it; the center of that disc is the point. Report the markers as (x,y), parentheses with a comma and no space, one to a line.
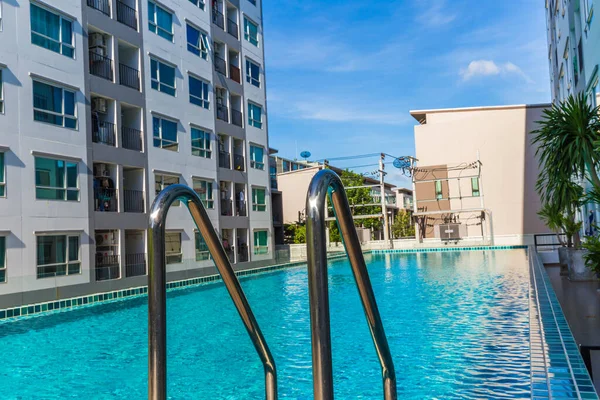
(421,115)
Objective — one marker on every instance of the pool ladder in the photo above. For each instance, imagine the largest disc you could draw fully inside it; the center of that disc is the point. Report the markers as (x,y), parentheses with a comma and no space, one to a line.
(323,183)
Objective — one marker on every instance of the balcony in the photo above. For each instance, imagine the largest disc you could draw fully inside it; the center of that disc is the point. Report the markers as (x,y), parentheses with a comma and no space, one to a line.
(224,160)
(106,199)
(131,138)
(222,112)
(133,200)
(236,117)
(107,267)
(126,15)
(135,264)
(103,132)
(232,28)
(220,65)
(242,253)
(234,73)
(226,209)
(101,66)
(238,162)
(129,77)
(219,19)
(101,5)
(240,208)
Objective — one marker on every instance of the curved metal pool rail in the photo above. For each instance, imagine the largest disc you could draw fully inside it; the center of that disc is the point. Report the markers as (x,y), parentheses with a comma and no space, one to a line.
(157,317)
(323,183)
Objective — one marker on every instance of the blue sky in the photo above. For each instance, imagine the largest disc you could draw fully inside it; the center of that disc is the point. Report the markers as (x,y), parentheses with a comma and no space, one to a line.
(343,74)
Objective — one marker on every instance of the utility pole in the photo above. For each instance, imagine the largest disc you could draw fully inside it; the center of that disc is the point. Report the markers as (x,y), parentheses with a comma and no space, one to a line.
(386,228)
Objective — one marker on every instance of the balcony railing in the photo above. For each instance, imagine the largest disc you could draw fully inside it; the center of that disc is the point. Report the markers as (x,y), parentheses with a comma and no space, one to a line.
(238,162)
(126,15)
(133,200)
(107,267)
(129,76)
(240,208)
(236,117)
(232,28)
(222,112)
(135,264)
(224,160)
(226,208)
(219,19)
(103,132)
(220,65)
(100,5)
(101,66)
(105,199)
(242,253)
(131,138)
(234,73)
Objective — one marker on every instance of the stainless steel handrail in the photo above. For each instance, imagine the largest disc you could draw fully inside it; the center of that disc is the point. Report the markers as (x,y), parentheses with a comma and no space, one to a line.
(324,182)
(157,318)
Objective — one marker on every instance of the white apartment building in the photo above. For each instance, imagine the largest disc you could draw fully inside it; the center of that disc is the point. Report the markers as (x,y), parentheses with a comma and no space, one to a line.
(103,103)
(573,34)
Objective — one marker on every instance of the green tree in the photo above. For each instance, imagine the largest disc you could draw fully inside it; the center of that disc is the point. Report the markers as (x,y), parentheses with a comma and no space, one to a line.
(300,234)
(403,225)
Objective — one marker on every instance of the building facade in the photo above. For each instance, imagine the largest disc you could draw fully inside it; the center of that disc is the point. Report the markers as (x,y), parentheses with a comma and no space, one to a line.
(103,103)
(573,34)
(477,168)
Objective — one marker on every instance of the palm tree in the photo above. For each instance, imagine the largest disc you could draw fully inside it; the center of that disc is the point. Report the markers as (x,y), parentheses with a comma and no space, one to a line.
(567,141)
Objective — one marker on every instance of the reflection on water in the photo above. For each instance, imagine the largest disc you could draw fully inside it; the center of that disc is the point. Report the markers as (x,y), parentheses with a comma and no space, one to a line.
(457,324)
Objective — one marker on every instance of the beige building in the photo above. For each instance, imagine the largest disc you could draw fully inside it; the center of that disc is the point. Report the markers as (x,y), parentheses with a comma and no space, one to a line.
(476,174)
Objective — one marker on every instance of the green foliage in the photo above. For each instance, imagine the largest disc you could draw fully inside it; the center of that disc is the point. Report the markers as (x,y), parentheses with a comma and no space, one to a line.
(300,234)
(295,233)
(334,232)
(592,257)
(403,225)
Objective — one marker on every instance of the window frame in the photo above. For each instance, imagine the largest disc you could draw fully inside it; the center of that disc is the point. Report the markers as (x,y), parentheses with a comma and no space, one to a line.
(206,140)
(249,78)
(247,37)
(260,165)
(154,22)
(3,264)
(257,248)
(199,3)
(67,262)
(439,192)
(160,134)
(209,198)
(201,101)
(203,41)
(162,184)
(256,206)
(251,121)
(475,189)
(62,114)
(201,255)
(168,253)
(157,81)
(66,188)
(62,17)
(3,194)
(1,89)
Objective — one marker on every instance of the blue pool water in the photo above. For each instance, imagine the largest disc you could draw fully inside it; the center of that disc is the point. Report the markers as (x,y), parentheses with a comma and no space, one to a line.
(457,324)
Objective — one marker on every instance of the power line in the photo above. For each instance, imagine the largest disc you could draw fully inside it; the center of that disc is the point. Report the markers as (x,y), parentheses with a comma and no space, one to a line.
(351,157)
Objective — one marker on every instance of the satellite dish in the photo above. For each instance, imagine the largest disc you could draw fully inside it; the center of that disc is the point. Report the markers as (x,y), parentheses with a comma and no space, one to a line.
(305,154)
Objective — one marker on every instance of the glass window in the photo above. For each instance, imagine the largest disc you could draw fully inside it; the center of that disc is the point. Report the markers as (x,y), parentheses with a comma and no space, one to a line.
(165,133)
(252,73)
(198,3)
(201,143)
(2,176)
(251,31)
(2,259)
(261,244)
(162,77)
(160,21)
(202,252)
(1,92)
(438,190)
(54,105)
(258,200)
(475,186)
(199,92)
(252,1)
(255,115)
(204,189)
(197,42)
(58,256)
(51,31)
(56,180)
(173,247)
(257,157)
(163,181)
(285,166)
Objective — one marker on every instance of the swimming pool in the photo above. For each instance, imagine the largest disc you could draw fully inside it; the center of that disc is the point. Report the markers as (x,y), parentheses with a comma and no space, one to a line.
(458,325)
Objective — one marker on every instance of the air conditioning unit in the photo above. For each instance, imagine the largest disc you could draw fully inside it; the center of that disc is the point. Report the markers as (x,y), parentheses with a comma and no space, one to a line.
(100,51)
(101,170)
(450,232)
(99,105)
(97,40)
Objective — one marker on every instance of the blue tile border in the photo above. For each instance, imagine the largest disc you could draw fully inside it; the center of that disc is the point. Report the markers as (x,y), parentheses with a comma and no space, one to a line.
(444,249)
(557,369)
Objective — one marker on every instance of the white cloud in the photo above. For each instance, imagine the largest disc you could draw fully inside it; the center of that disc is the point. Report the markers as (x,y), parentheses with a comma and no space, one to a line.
(435,13)
(332,110)
(490,68)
